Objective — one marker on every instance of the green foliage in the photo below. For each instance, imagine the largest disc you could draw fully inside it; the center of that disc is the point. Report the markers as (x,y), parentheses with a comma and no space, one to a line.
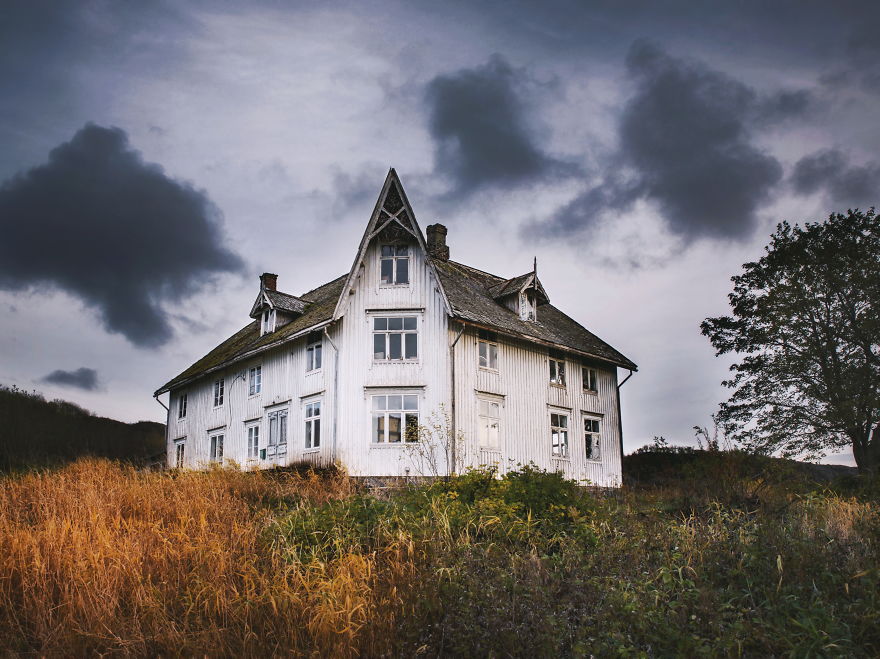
(805,324)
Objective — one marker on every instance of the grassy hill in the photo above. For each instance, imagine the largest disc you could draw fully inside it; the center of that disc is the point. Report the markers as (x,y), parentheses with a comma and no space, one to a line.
(36,432)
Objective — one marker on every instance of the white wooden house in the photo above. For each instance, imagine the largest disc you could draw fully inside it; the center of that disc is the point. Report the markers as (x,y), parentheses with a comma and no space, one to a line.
(379,369)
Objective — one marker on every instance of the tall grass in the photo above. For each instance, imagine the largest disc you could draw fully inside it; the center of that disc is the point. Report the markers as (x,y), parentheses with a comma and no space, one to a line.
(100,558)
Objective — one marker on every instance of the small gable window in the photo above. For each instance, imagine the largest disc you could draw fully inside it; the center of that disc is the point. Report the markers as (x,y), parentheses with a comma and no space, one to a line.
(488,349)
(313,353)
(591,379)
(394,265)
(268,321)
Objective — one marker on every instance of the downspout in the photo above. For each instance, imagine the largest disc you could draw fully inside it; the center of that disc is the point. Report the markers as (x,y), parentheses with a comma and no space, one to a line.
(335,394)
(620,422)
(452,422)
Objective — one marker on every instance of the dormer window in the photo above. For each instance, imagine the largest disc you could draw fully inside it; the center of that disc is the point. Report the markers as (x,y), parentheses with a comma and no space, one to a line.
(527,305)
(394,265)
(268,321)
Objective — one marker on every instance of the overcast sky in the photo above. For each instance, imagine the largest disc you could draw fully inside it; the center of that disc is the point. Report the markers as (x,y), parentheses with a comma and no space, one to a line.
(156,157)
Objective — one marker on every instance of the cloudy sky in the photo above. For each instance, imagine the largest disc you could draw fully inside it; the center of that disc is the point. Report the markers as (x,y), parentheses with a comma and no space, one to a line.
(156,157)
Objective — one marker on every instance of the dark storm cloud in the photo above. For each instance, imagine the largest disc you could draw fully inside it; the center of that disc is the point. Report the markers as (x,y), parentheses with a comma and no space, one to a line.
(81,378)
(100,223)
(686,145)
(829,171)
(481,129)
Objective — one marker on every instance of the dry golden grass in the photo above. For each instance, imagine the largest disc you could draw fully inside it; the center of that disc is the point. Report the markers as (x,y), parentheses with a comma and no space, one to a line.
(98,558)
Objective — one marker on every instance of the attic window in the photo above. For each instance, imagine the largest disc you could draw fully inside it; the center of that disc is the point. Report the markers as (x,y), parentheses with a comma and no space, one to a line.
(527,305)
(268,321)
(394,265)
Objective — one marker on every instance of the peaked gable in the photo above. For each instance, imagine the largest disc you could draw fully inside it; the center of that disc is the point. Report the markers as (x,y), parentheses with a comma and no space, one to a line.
(393,218)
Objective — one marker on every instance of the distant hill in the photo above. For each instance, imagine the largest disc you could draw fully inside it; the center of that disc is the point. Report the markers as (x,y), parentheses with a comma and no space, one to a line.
(35,432)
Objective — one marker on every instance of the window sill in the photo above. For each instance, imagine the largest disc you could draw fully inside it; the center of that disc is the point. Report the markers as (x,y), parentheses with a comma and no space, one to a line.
(486,369)
(558,385)
(394,285)
(317,449)
(392,445)
(396,361)
(314,371)
(591,392)
(562,458)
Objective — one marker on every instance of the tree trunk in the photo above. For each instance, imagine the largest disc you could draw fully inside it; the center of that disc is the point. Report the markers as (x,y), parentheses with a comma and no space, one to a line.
(866,451)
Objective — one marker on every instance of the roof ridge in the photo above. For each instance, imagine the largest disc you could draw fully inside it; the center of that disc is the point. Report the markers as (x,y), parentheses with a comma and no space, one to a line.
(470,267)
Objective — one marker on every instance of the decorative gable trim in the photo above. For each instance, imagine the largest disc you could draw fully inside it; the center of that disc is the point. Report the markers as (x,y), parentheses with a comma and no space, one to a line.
(392,210)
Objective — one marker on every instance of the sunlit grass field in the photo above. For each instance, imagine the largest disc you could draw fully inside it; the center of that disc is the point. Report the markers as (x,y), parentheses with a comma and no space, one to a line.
(97,557)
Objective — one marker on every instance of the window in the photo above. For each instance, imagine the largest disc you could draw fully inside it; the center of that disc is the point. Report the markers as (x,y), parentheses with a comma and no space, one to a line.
(219,388)
(253,441)
(527,305)
(591,438)
(488,347)
(313,355)
(591,379)
(277,434)
(179,447)
(313,424)
(267,323)
(216,448)
(489,423)
(181,406)
(394,265)
(395,338)
(557,369)
(559,434)
(255,380)
(395,418)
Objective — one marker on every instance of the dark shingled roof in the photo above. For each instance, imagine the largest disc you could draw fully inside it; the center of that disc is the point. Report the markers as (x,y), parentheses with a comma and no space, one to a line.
(508,286)
(284,302)
(472,295)
(469,292)
(319,305)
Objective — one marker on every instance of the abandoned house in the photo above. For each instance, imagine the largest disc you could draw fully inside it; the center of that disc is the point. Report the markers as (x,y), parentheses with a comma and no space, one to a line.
(408,364)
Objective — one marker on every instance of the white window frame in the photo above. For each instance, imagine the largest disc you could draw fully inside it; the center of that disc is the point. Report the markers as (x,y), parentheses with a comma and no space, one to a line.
(556,366)
(485,421)
(487,350)
(179,453)
(253,440)
(219,392)
(255,380)
(592,437)
(181,405)
(314,355)
(215,446)
(267,321)
(560,442)
(276,446)
(590,377)
(394,258)
(312,424)
(403,332)
(383,410)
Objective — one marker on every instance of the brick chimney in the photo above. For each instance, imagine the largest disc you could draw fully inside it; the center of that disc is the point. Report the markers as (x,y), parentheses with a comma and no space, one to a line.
(268,281)
(437,242)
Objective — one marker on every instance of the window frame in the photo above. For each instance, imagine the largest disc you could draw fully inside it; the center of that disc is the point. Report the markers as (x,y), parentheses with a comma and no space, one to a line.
(179,453)
(255,380)
(385,413)
(182,404)
(314,355)
(490,340)
(215,441)
(219,392)
(560,450)
(253,431)
(278,424)
(394,258)
(594,443)
(312,423)
(403,332)
(489,400)
(556,364)
(590,375)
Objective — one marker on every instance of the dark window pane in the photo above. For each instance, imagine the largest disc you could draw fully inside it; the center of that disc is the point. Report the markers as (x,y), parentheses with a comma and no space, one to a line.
(484,358)
(409,323)
(387,250)
(317,362)
(493,356)
(394,351)
(402,271)
(316,433)
(379,346)
(386,270)
(380,323)
(402,250)
(412,346)
(412,427)
(395,323)
(308,435)
(394,428)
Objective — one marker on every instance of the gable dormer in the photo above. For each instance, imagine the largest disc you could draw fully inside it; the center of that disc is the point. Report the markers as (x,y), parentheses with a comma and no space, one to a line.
(273,308)
(521,294)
